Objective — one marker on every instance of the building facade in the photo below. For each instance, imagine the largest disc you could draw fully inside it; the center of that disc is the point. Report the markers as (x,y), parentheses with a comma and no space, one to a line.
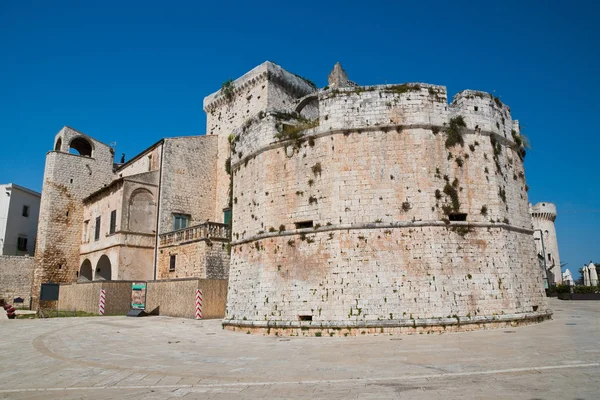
(100,220)
(19,210)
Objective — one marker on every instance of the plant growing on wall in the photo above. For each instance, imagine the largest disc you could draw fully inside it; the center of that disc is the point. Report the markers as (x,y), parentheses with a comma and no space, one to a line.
(227,88)
(454,131)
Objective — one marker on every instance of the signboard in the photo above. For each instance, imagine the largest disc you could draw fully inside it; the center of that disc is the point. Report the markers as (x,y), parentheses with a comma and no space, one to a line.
(138,295)
(49,291)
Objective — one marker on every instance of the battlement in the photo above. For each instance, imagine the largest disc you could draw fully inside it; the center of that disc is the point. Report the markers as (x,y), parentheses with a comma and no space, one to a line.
(543,210)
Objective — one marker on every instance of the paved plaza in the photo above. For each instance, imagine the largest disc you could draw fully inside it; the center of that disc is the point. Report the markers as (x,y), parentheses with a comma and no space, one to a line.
(160,357)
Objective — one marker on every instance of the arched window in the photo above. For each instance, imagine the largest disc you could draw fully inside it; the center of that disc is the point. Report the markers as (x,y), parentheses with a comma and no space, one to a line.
(85,272)
(142,212)
(103,269)
(80,146)
(58,145)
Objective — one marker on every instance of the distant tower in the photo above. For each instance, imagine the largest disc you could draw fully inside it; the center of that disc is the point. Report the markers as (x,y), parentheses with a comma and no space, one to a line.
(543,216)
(78,166)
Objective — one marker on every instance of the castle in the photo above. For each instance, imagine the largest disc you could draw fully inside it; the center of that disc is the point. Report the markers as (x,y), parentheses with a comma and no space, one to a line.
(365,208)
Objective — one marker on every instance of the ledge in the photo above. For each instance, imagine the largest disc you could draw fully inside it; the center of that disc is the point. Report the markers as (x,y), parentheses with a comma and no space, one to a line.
(396,323)
(393,225)
(316,133)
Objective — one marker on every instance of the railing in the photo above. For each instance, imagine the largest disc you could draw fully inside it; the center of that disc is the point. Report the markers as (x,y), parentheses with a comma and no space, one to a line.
(207,230)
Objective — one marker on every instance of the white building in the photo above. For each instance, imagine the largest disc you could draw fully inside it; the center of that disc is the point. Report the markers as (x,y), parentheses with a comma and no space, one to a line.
(19,211)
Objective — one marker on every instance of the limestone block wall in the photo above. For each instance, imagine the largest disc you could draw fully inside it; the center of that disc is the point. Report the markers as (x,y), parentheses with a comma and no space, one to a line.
(177,298)
(361,107)
(320,183)
(268,86)
(543,215)
(16,277)
(373,215)
(68,178)
(484,111)
(147,161)
(420,272)
(188,180)
(199,259)
(85,296)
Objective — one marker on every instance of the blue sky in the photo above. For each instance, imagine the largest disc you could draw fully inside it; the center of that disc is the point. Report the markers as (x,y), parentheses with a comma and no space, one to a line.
(133,72)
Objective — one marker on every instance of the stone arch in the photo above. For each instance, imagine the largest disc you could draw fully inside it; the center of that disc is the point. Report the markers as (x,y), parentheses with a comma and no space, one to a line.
(142,211)
(308,106)
(103,269)
(85,272)
(82,146)
(58,145)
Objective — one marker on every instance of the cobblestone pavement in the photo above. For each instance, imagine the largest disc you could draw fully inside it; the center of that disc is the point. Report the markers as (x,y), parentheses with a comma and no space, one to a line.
(160,357)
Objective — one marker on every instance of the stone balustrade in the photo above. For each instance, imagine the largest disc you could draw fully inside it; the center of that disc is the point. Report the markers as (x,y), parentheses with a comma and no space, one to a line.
(207,230)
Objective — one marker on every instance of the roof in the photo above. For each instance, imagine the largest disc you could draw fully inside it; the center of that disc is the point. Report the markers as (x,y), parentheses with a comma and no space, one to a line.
(12,186)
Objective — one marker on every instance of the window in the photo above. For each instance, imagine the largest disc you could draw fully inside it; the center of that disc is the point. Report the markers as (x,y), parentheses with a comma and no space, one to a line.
(180,221)
(476,108)
(304,224)
(97,231)
(26,211)
(172,261)
(227,216)
(22,243)
(457,217)
(150,162)
(549,257)
(86,227)
(113,222)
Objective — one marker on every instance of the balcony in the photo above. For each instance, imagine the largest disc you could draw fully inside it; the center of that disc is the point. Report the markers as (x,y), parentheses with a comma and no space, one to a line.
(205,231)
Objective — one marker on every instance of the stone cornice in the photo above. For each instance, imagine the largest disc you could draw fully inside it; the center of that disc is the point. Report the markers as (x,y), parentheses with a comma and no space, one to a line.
(381,225)
(318,133)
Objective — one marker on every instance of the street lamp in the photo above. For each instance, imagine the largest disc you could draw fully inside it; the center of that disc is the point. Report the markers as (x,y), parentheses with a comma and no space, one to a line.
(543,255)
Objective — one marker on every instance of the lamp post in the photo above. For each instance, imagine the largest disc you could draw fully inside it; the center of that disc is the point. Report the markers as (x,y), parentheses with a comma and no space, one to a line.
(543,254)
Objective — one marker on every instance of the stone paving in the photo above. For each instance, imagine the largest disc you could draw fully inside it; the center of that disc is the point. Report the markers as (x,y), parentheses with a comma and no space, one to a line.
(160,358)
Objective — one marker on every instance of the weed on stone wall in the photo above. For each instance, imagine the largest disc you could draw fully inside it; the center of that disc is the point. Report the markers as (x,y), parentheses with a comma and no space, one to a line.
(451,192)
(227,88)
(454,131)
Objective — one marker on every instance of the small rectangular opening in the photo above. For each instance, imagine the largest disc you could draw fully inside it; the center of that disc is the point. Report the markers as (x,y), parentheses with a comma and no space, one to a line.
(304,224)
(457,217)
(535,308)
(476,108)
(304,317)
(172,261)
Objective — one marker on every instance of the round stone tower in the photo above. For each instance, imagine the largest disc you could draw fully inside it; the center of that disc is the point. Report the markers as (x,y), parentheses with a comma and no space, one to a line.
(368,209)
(543,215)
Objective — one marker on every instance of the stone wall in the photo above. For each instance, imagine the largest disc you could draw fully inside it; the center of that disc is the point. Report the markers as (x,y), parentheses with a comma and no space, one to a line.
(373,213)
(85,296)
(68,178)
(188,181)
(16,277)
(177,298)
(198,259)
(146,161)
(268,86)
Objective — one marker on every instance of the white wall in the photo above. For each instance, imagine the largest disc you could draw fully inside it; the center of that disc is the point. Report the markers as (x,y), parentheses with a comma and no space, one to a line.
(12,222)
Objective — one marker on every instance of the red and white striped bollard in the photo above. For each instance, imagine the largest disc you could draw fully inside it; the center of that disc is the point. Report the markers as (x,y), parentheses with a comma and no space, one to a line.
(198,304)
(102,301)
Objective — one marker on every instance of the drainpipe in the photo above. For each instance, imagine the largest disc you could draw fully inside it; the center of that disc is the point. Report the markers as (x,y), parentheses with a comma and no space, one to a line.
(156,240)
(543,254)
